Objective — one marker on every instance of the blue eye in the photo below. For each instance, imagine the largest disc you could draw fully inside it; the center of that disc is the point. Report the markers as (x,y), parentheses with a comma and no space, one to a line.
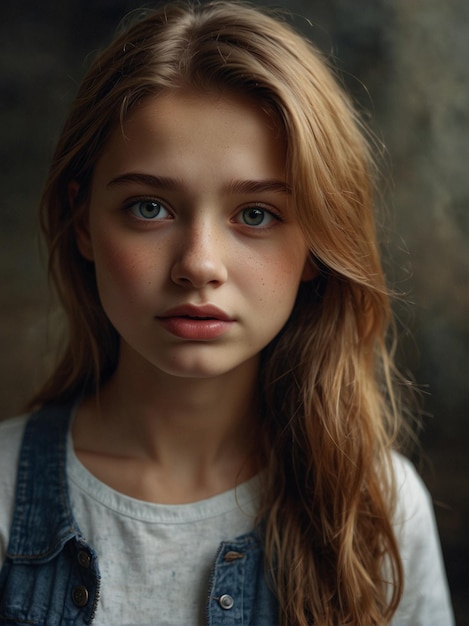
(148,210)
(256,216)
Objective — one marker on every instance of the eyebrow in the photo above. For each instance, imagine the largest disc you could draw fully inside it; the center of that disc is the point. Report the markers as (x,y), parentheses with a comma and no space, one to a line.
(259,186)
(146,179)
(235,186)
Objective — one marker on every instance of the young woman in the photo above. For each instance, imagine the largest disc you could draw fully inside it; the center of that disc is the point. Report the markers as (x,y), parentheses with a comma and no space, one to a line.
(215,443)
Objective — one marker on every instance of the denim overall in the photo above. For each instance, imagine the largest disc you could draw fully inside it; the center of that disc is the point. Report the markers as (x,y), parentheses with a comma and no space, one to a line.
(50,576)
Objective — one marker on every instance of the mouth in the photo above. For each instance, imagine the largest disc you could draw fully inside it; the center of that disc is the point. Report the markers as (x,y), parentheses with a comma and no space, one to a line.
(196,323)
(196,317)
(197,313)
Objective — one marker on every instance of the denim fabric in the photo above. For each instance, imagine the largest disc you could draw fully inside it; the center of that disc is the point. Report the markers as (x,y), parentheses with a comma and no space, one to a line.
(50,576)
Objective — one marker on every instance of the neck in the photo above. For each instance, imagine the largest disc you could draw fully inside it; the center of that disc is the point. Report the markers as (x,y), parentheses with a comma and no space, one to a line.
(191,414)
(197,428)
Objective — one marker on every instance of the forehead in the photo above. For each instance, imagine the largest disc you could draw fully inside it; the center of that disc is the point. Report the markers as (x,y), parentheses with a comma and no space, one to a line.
(177,127)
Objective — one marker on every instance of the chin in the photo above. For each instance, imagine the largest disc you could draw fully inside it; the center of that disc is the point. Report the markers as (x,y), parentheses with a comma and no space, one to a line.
(209,367)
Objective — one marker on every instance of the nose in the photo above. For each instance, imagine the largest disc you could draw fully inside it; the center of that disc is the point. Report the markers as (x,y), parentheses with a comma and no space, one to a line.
(200,258)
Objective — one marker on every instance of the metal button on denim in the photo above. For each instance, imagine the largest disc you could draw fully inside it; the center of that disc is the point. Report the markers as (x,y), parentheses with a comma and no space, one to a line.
(226,601)
(80,595)
(84,558)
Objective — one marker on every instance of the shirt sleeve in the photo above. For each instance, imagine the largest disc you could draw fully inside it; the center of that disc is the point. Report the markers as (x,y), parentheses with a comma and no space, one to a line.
(426,599)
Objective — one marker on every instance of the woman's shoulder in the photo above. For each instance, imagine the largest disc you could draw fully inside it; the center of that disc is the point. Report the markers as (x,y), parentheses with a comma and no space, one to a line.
(407,479)
(11,434)
(426,598)
(413,501)
(11,423)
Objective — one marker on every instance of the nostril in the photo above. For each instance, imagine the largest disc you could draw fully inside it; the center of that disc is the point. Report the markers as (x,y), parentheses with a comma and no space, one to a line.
(198,270)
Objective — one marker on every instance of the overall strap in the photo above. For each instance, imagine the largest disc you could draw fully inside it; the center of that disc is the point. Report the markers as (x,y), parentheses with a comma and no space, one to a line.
(42,521)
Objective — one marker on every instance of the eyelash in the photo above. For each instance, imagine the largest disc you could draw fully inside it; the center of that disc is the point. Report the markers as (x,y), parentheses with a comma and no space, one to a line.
(267,212)
(260,208)
(151,201)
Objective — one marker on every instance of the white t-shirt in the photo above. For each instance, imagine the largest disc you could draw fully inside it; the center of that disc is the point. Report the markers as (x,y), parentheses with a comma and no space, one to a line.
(154,555)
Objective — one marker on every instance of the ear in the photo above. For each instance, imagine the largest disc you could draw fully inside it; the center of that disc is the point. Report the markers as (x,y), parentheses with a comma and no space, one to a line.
(310,271)
(81,225)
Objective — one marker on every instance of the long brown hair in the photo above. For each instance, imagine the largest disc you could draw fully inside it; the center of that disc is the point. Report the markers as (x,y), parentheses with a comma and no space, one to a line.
(330,411)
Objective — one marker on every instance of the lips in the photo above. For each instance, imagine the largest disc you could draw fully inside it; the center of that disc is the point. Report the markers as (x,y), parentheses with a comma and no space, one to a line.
(206,311)
(196,323)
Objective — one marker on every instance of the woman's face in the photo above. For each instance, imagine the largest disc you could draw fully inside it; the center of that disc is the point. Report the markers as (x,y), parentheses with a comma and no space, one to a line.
(193,235)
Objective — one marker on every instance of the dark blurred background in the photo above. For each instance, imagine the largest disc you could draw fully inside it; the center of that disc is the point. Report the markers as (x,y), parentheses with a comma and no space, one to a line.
(406,63)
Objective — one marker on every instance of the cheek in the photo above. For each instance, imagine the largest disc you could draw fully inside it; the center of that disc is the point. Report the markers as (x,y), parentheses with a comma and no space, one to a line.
(115,261)
(121,270)
(274,278)
(285,285)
